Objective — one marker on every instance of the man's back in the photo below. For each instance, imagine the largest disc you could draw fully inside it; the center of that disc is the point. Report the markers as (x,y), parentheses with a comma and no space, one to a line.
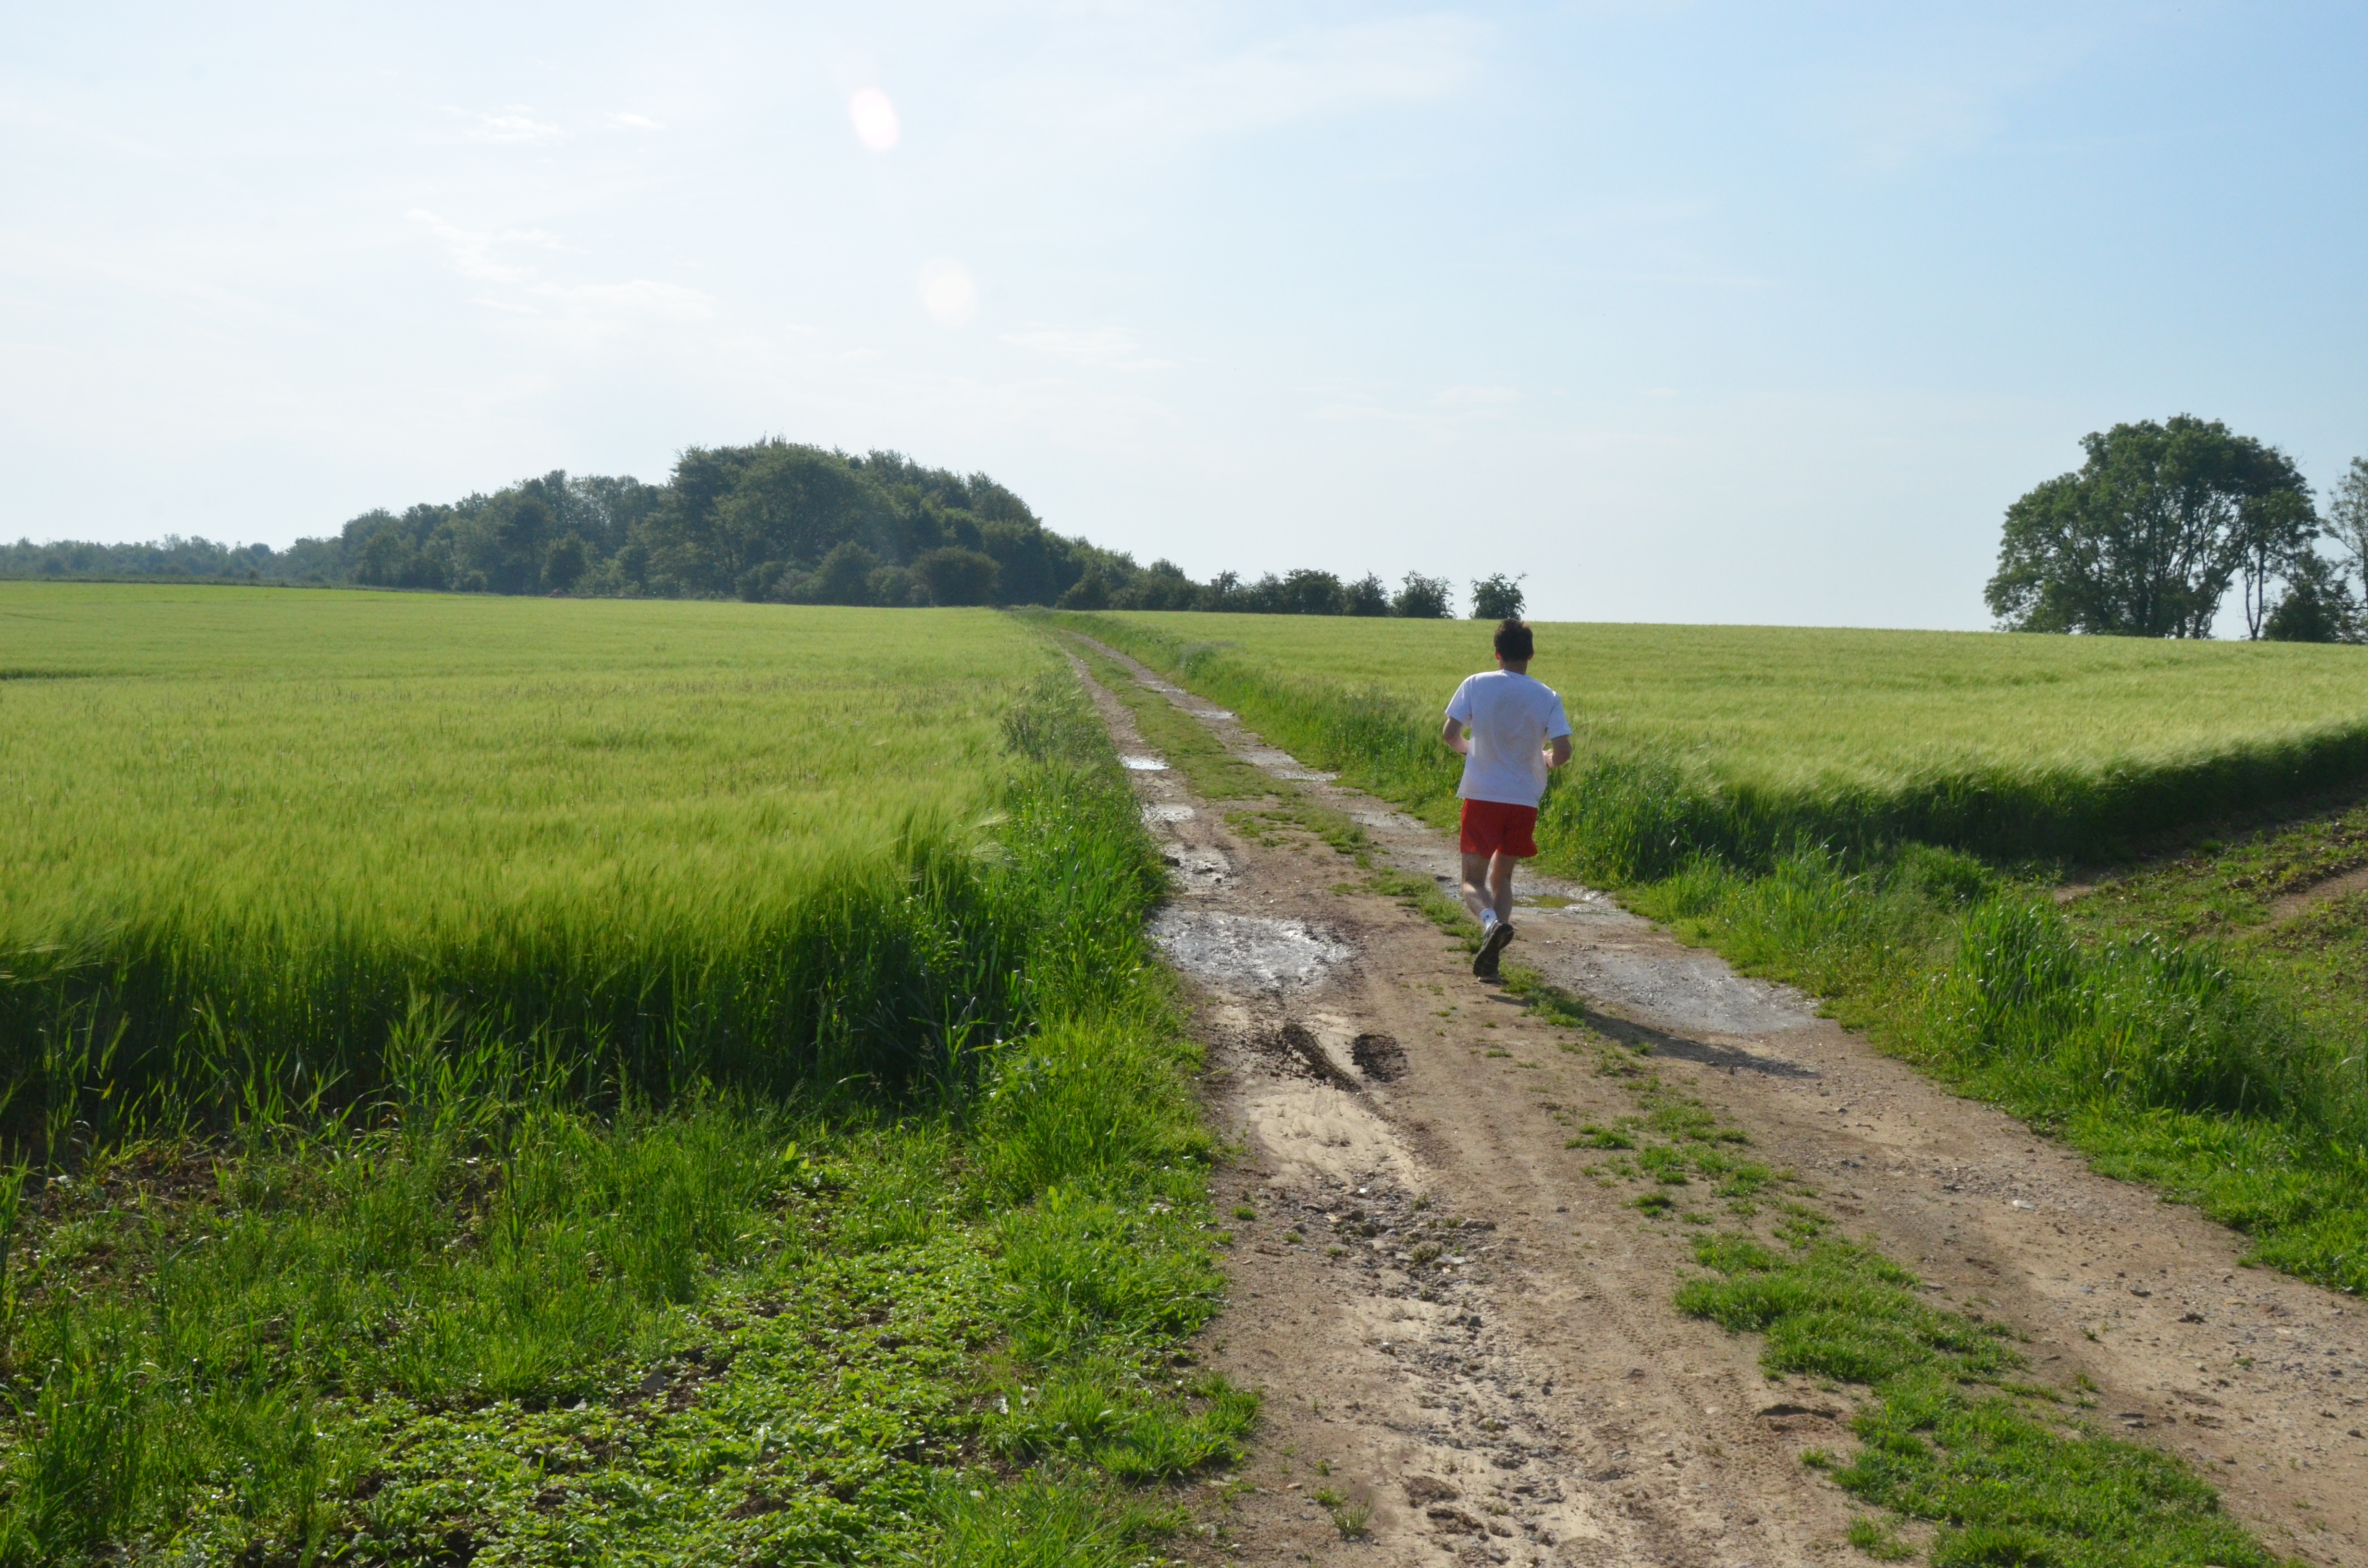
(1510,718)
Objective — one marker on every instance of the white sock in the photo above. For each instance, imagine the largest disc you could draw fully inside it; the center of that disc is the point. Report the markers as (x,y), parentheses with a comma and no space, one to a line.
(1487,921)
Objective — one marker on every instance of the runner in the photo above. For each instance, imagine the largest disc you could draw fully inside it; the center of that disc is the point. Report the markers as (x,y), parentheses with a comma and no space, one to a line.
(1511,733)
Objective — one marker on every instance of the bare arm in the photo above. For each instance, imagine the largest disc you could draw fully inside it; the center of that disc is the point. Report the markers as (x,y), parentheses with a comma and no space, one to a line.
(1452,734)
(1558,751)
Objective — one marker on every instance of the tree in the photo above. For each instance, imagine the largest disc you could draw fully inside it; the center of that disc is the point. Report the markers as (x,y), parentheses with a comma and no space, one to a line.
(2347,520)
(567,561)
(793,503)
(956,576)
(1424,598)
(2274,532)
(1366,595)
(1088,592)
(384,561)
(1497,598)
(1160,585)
(2144,539)
(844,577)
(1261,597)
(1309,591)
(773,522)
(2317,605)
(894,587)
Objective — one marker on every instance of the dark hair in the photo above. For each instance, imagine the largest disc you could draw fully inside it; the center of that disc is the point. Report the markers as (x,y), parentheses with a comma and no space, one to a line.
(1514,642)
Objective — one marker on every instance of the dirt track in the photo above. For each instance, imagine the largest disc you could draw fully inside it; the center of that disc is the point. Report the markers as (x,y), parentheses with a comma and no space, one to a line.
(1528,1394)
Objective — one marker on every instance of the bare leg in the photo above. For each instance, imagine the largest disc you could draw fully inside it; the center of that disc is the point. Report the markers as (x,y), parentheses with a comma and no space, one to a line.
(1500,884)
(1488,884)
(1479,893)
(1489,894)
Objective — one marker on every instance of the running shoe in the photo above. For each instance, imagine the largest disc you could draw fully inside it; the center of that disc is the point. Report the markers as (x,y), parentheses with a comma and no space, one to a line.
(1484,964)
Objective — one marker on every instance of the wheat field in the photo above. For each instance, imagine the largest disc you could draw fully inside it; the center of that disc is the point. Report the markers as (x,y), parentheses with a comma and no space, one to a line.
(1744,738)
(719,836)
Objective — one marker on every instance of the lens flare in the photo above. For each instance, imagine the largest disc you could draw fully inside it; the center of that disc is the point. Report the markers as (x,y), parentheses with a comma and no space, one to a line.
(875,119)
(946,291)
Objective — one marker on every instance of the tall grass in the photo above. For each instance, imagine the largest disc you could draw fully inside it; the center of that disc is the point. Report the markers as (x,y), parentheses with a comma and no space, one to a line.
(722,844)
(2165,1061)
(1742,741)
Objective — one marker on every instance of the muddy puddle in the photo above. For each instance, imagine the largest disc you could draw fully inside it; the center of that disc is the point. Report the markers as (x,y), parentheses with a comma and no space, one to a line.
(1245,953)
(1282,765)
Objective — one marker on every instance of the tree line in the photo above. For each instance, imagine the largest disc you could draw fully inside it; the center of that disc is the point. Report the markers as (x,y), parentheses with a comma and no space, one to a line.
(2163,519)
(774,521)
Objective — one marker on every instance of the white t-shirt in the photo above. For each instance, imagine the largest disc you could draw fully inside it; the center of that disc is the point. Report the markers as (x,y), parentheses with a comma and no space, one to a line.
(1510,718)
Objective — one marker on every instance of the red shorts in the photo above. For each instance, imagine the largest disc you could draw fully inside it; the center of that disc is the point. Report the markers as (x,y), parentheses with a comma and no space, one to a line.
(1495,827)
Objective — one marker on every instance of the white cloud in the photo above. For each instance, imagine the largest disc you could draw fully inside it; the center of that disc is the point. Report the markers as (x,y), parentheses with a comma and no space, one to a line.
(20,112)
(580,314)
(1450,411)
(1920,83)
(1303,74)
(512,122)
(635,122)
(1098,348)
(1329,70)
(645,294)
(1476,398)
(471,253)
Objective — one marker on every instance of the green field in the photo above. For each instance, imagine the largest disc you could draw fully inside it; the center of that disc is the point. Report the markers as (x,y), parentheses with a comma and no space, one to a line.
(271,817)
(1743,737)
(571,1082)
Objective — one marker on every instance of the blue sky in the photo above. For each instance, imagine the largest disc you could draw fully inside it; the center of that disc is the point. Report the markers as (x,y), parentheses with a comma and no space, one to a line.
(1720,312)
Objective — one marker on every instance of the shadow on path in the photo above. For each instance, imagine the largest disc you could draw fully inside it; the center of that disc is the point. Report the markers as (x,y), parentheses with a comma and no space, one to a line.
(1646,1040)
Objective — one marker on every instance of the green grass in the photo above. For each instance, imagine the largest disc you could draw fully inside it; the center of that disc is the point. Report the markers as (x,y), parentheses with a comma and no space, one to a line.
(675,840)
(1942,1437)
(2228,891)
(902,1267)
(1740,740)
